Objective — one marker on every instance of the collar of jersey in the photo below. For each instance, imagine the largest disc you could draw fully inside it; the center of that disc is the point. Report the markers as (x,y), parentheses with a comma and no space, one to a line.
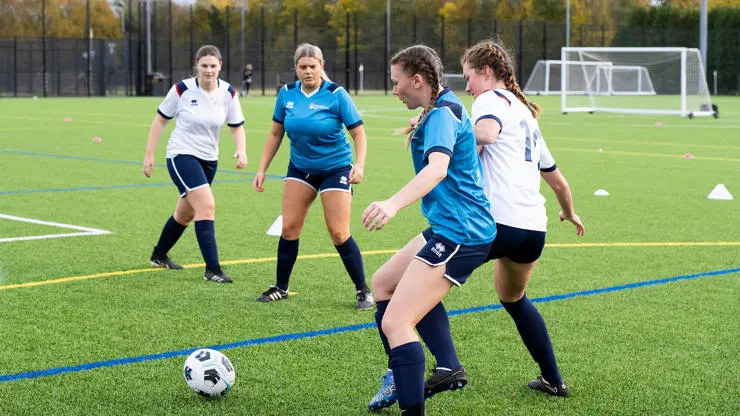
(218,83)
(441,94)
(323,81)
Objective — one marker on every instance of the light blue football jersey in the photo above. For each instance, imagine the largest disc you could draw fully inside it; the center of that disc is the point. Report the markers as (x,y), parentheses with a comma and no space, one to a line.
(314,123)
(457,208)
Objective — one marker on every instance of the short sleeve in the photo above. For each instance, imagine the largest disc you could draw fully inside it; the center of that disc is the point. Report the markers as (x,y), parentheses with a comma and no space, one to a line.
(278,115)
(489,105)
(235,116)
(348,113)
(547,162)
(168,107)
(440,132)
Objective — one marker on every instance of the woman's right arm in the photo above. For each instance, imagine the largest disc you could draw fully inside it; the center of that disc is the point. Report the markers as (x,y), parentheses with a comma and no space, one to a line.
(274,138)
(560,186)
(155,131)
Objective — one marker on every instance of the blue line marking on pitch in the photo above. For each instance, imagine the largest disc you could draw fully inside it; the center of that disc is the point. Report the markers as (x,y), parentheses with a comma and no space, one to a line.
(124,162)
(337,330)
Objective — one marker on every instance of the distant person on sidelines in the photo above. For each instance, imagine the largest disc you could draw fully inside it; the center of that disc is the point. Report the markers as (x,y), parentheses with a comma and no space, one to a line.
(246,80)
(201,106)
(314,111)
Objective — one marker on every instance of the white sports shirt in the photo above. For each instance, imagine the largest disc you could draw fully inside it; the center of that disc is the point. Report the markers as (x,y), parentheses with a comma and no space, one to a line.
(512,164)
(200,116)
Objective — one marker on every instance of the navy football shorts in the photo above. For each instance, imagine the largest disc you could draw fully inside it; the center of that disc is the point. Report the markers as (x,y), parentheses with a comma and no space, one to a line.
(334,180)
(460,260)
(190,173)
(517,244)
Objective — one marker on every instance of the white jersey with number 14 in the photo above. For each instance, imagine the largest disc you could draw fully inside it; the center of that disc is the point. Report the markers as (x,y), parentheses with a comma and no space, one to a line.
(512,164)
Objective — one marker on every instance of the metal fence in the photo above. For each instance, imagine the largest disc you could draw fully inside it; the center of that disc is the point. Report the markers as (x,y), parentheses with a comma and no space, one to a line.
(354,54)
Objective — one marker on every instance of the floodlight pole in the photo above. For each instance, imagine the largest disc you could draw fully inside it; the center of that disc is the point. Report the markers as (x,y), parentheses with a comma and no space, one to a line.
(387,45)
(703,33)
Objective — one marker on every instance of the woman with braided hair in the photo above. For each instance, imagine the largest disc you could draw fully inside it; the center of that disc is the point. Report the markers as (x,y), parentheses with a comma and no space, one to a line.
(514,156)
(449,181)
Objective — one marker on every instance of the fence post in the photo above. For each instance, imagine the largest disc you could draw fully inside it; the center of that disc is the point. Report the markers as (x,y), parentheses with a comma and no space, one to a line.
(544,40)
(192,35)
(442,38)
(88,35)
(346,54)
(414,27)
(262,48)
(470,32)
(155,56)
(227,41)
(386,55)
(169,36)
(356,59)
(603,36)
(520,59)
(43,46)
(15,67)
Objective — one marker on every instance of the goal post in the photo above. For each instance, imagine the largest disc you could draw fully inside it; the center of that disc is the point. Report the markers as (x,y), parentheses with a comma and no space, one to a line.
(634,80)
(608,78)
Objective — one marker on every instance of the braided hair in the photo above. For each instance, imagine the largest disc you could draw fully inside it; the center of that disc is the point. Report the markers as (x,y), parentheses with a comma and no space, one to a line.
(492,54)
(422,60)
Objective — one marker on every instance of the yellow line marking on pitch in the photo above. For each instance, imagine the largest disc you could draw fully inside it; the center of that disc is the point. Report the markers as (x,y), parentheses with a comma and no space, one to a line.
(365,253)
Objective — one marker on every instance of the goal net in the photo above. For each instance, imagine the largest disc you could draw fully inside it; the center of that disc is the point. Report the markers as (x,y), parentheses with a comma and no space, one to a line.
(604,78)
(633,80)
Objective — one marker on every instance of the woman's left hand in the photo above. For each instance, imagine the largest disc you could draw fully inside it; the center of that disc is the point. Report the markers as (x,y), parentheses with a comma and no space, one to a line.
(357,174)
(377,214)
(241,160)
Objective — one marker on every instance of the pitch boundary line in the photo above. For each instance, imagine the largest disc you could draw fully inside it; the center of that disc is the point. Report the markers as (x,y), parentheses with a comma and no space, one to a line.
(364,253)
(4,378)
(85,231)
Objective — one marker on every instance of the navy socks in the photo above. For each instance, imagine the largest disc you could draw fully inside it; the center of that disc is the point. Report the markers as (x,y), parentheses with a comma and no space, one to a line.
(287,254)
(206,235)
(352,259)
(170,234)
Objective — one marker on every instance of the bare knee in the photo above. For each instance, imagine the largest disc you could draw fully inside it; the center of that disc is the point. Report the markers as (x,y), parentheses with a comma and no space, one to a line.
(394,328)
(207,210)
(338,237)
(291,231)
(383,286)
(184,218)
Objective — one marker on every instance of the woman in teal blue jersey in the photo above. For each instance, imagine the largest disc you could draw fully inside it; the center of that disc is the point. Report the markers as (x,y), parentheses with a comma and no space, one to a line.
(449,181)
(314,111)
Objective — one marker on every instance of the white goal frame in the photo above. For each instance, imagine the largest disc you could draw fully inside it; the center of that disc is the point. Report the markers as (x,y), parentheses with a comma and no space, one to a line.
(605,71)
(567,52)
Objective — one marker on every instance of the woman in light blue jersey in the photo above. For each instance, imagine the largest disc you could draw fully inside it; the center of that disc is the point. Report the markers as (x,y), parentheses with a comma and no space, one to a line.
(201,106)
(449,180)
(314,111)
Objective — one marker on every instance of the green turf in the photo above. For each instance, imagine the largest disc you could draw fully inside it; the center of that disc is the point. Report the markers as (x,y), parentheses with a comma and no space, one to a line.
(667,349)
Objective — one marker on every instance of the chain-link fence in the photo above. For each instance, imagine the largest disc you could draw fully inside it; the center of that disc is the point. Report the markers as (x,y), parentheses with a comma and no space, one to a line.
(355,52)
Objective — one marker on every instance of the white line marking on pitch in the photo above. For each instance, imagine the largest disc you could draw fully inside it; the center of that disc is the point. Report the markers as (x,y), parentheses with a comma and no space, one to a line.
(85,230)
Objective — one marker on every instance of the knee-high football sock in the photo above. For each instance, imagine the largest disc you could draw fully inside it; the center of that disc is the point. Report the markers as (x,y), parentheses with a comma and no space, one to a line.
(287,254)
(206,235)
(380,307)
(407,363)
(434,329)
(352,259)
(533,331)
(171,232)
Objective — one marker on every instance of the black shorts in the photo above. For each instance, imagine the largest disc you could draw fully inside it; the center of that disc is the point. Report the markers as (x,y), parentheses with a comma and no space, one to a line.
(190,173)
(334,180)
(517,245)
(460,260)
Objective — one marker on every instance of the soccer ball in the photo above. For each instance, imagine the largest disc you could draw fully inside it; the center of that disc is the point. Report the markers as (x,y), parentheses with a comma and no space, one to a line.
(209,373)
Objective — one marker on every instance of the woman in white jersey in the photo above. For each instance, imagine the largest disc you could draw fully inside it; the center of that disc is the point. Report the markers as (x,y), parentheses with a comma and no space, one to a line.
(201,106)
(514,156)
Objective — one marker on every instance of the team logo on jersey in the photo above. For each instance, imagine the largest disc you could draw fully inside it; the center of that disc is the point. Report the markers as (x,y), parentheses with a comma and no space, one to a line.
(438,249)
(343,180)
(289,104)
(193,102)
(313,106)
